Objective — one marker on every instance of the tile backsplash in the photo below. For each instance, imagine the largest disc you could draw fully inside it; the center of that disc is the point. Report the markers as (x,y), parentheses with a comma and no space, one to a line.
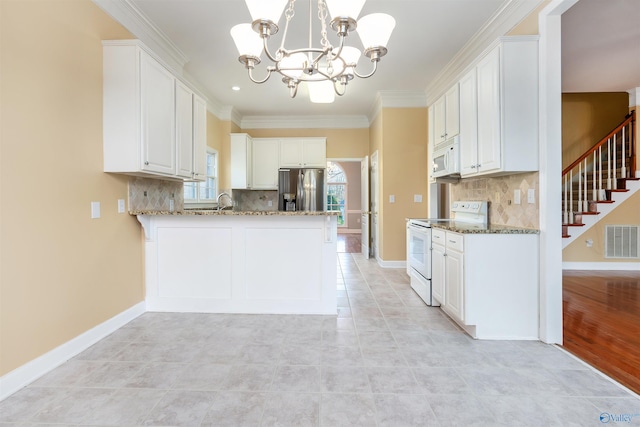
(256,200)
(499,191)
(155,194)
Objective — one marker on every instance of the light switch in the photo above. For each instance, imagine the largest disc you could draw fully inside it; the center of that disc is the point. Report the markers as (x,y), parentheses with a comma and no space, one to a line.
(417,198)
(392,198)
(516,197)
(95,210)
(120,205)
(531,196)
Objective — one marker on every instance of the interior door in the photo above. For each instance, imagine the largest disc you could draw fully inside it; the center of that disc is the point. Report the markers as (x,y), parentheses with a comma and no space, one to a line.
(364,205)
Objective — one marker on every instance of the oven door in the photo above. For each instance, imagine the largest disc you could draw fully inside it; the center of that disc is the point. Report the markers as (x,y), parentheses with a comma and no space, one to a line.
(419,256)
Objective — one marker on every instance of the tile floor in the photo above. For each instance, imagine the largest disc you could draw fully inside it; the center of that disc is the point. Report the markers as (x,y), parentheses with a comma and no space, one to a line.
(385,360)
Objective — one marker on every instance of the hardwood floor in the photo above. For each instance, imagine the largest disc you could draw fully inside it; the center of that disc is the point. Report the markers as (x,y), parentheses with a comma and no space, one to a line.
(602,321)
(349,243)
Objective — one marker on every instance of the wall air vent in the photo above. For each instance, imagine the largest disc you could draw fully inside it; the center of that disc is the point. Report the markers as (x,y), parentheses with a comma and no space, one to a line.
(621,241)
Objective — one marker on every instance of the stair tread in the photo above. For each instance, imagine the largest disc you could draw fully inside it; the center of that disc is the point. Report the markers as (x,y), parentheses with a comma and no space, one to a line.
(566,236)
(575,225)
(606,201)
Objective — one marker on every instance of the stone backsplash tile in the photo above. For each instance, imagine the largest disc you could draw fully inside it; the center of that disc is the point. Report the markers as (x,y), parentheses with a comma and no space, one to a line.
(255,200)
(499,191)
(155,194)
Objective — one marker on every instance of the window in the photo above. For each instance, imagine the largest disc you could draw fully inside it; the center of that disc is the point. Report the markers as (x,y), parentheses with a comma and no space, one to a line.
(337,191)
(207,191)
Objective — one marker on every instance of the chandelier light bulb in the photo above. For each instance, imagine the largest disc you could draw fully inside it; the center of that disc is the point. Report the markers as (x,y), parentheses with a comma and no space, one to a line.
(375,30)
(248,42)
(266,10)
(345,8)
(321,92)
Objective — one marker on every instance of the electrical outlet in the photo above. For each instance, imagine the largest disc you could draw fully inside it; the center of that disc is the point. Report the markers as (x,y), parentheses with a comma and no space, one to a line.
(392,198)
(270,203)
(531,196)
(95,210)
(417,198)
(120,205)
(589,243)
(516,197)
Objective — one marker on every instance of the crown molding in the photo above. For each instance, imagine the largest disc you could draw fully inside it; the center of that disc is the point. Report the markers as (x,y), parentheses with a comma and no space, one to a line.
(302,122)
(396,99)
(130,17)
(508,16)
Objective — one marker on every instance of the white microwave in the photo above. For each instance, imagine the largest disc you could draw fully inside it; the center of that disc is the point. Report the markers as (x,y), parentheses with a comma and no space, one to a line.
(446,159)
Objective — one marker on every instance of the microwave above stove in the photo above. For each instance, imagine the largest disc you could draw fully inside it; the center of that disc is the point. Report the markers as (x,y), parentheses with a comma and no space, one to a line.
(446,159)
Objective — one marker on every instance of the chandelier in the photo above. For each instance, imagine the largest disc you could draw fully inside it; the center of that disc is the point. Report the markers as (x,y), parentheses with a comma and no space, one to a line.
(320,67)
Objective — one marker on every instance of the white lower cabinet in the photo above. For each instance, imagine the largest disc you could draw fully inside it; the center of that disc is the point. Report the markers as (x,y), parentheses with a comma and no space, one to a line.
(438,265)
(488,282)
(454,272)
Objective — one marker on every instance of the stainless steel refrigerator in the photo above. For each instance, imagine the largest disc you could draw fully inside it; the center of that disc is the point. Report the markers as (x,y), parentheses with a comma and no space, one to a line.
(301,189)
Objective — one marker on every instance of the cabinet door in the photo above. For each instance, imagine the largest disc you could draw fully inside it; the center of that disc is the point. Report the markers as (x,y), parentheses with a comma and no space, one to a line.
(184,131)
(241,164)
(439,120)
(438,274)
(314,152)
(455,284)
(452,112)
(158,117)
(265,164)
(468,124)
(291,152)
(199,138)
(489,131)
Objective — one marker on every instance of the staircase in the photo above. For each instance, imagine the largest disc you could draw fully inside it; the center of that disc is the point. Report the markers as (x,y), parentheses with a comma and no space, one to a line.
(598,181)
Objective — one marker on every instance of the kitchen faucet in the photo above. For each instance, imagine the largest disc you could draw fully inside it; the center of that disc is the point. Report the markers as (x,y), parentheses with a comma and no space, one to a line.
(220,196)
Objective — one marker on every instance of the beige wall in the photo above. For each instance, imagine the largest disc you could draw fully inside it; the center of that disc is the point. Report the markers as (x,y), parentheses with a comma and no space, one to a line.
(529,25)
(62,273)
(587,118)
(625,214)
(405,144)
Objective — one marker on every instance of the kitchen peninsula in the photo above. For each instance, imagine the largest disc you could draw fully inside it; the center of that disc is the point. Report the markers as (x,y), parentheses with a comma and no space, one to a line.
(232,261)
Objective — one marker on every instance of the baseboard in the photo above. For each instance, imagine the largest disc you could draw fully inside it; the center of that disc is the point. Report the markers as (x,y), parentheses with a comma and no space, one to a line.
(606,266)
(391,264)
(349,231)
(31,371)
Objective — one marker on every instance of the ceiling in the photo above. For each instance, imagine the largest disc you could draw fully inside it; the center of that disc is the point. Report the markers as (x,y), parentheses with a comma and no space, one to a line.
(428,36)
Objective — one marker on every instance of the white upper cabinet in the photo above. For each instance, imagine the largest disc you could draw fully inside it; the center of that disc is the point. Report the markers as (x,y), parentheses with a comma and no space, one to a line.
(265,163)
(184,131)
(446,111)
(241,161)
(148,115)
(303,152)
(503,136)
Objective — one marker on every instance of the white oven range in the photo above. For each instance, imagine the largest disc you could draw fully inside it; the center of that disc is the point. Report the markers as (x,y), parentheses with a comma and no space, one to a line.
(468,214)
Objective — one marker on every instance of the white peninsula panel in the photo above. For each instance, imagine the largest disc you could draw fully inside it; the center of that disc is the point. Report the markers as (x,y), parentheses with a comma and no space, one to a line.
(241,263)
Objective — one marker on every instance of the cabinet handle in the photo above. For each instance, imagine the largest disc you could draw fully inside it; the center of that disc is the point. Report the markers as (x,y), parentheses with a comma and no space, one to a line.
(473,166)
(452,241)
(444,254)
(146,163)
(479,165)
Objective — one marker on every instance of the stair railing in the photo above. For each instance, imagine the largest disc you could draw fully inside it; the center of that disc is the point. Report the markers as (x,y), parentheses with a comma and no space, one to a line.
(611,159)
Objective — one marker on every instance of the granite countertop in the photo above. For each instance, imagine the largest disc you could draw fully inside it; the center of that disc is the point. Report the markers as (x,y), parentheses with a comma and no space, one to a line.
(215,212)
(466,228)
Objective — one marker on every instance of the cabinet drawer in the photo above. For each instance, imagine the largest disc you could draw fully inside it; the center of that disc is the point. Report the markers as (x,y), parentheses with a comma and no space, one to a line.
(438,236)
(455,241)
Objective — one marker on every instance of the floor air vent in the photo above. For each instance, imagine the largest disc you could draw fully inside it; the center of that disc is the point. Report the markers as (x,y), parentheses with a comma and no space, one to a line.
(621,241)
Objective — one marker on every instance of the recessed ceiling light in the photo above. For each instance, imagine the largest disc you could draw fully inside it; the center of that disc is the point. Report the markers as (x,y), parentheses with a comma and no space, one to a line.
(236,88)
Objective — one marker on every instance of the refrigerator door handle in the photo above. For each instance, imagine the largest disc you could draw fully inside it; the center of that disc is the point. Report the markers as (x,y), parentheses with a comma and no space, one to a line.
(300,192)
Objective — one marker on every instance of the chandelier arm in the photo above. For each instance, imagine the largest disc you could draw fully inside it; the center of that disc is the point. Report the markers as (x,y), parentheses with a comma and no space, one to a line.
(269,71)
(365,76)
(266,50)
(335,88)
